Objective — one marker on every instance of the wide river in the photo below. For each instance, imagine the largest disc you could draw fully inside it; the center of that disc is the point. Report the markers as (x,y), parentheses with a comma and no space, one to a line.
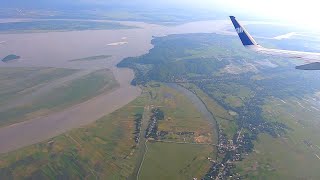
(55,49)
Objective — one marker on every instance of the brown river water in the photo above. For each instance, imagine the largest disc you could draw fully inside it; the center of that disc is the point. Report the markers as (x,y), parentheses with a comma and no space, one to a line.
(55,49)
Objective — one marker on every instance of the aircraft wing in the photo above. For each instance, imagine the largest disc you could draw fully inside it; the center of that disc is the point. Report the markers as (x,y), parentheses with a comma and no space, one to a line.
(248,42)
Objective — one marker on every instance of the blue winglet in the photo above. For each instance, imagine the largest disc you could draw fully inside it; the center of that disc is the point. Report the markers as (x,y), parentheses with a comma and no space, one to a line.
(245,37)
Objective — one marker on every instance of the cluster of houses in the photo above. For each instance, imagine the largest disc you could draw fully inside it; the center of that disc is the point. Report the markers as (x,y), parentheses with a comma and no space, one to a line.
(221,171)
(152,130)
(185,133)
(229,151)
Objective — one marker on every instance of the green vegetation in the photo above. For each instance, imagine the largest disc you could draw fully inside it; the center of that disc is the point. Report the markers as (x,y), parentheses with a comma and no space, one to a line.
(182,123)
(267,120)
(180,116)
(287,157)
(15,82)
(280,159)
(103,150)
(10,58)
(58,98)
(174,57)
(92,58)
(107,149)
(58,25)
(175,161)
(237,85)
(225,120)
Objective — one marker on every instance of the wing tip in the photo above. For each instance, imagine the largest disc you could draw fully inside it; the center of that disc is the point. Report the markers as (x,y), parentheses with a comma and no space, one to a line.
(245,37)
(311,66)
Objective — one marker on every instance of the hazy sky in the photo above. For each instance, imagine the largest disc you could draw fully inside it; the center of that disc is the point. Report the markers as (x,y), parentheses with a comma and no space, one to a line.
(298,12)
(302,12)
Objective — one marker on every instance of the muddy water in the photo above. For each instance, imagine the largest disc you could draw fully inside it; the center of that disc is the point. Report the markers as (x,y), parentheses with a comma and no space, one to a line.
(20,100)
(39,129)
(55,49)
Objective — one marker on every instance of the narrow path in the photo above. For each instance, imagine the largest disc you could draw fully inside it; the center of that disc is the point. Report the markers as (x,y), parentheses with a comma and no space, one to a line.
(144,156)
(142,146)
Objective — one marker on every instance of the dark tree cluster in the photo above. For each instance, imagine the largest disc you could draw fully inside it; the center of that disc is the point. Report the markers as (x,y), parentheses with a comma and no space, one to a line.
(137,120)
(152,130)
(158,113)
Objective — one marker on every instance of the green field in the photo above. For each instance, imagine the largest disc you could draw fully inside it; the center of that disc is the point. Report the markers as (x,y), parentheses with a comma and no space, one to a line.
(175,161)
(279,159)
(67,94)
(180,116)
(225,120)
(288,157)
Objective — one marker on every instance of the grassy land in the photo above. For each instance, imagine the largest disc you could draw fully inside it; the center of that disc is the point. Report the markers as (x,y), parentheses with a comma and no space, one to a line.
(175,161)
(292,156)
(60,97)
(106,149)
(92,58)
(172,160)
(102,149)
(279,159)
(180,116)
(236,86)
(226,121)
(15,81)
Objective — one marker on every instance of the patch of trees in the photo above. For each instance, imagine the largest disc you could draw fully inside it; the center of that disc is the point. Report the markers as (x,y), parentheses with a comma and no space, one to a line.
(158,113)
(152,130)
(137,120)
(170,59)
